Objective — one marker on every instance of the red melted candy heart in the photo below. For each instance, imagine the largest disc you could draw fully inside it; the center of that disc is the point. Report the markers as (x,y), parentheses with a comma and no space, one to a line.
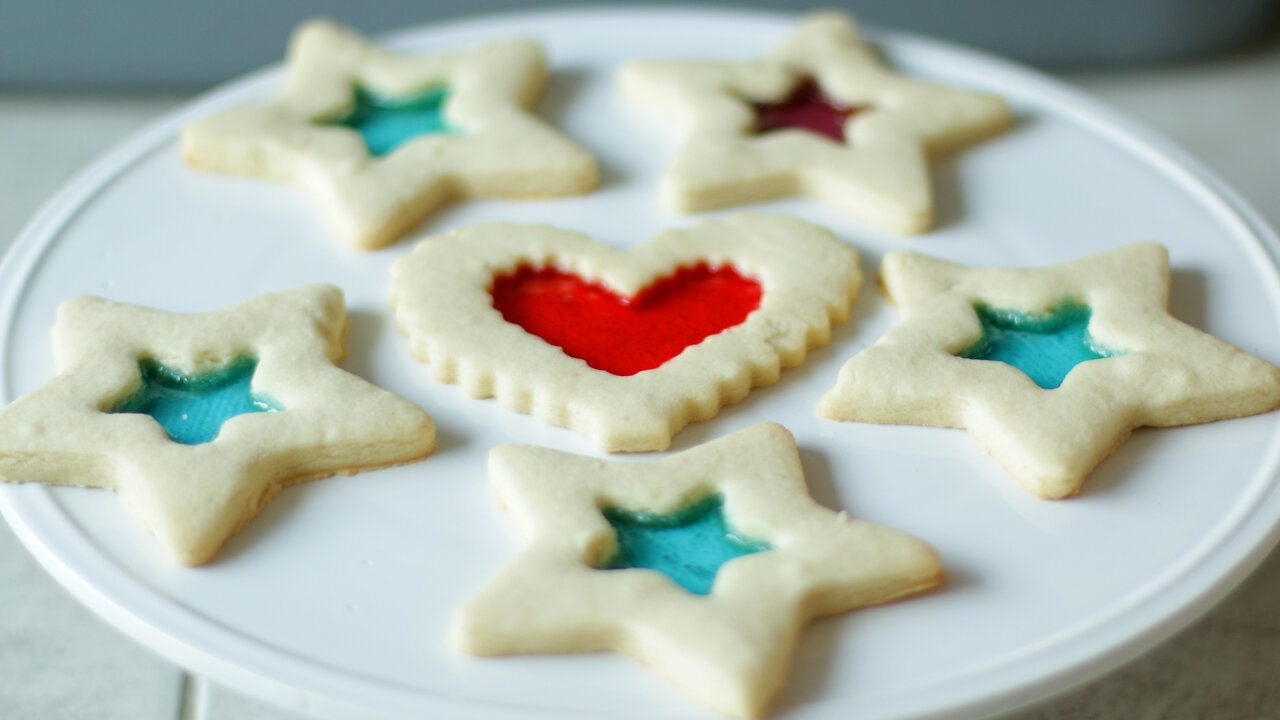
(619,335)
(806,108)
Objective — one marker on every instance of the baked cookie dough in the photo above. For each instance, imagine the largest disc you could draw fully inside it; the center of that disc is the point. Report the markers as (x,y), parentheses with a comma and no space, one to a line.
(729,647)
(758,130)
(1047,428)
(197,421)
(382,139)
(450,297)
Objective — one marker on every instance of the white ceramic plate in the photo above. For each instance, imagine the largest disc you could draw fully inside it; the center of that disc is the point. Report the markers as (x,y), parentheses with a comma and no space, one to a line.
(337,598)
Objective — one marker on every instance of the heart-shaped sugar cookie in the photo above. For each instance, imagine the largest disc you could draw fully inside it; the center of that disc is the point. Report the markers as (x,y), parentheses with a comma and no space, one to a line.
(626,347)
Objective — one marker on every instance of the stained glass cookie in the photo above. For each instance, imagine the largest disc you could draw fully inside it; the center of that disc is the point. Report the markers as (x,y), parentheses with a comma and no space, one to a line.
(197,421)
(704,565)
(382,139)
(625,347)
(819,116)
(1049,368)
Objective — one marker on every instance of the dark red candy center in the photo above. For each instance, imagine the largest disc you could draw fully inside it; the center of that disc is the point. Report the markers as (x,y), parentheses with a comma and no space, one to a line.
(806,108)
(620,335)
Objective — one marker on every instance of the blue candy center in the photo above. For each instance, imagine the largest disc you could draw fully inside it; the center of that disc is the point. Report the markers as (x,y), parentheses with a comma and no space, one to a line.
(192,409)
(1044,346)
(387,122)
(688,546)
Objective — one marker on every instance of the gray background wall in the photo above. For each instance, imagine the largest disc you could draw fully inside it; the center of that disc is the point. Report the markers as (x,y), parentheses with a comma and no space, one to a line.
(182,45)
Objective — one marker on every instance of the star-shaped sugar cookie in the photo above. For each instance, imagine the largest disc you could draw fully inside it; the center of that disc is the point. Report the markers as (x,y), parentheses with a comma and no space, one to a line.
(485,143)
(730,648)
(892,124)
(1155,370)
(96,423)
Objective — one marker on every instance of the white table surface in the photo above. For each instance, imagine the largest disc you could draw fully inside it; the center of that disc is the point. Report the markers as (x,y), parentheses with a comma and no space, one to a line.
(57,660)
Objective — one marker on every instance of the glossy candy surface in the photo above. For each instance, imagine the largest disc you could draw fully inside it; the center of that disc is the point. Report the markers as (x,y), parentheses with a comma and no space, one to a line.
(192,409)
(1044,347)
(387,122)
(621,335)
(688,546)
(806,108)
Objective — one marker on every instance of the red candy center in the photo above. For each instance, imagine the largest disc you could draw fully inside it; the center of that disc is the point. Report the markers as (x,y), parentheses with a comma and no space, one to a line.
(806,108)
(620,335)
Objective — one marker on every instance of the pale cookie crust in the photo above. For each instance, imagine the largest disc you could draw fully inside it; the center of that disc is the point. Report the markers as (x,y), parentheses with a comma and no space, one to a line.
(504,151)
(441,296)
(731,649)
(880,173)
(1049,440)
(194,497)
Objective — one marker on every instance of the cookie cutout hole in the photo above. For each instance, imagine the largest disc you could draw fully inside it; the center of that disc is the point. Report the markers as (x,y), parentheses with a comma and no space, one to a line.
(625,335)
(192,408)
(807,107)
(1044,346)
(386,122)
(688,545)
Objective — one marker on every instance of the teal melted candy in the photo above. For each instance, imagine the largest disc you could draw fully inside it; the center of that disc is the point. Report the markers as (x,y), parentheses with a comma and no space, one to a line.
(688,546)
(387,122)
(1043,346)
(192,409)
